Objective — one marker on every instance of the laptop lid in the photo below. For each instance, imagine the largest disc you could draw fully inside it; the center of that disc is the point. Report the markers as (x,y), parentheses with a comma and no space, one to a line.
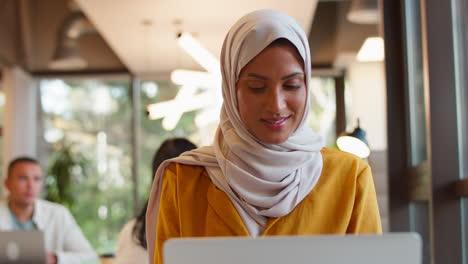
(401,248)
(25,247)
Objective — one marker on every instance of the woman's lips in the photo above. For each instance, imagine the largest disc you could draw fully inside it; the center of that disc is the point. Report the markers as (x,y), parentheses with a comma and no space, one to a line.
(275,123)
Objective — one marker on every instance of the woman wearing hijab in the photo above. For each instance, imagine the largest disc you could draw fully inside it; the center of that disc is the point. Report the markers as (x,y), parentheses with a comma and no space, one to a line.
(267,172)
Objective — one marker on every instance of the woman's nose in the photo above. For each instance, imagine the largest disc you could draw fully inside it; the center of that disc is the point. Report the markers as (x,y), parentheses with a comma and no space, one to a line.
(275,101)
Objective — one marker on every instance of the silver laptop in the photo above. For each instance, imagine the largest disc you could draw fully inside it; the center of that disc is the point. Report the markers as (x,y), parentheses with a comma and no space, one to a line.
(391,248)
(25,247)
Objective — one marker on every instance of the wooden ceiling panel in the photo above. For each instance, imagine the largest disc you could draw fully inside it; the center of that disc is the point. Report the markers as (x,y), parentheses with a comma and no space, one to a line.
(332,34)
(8,32)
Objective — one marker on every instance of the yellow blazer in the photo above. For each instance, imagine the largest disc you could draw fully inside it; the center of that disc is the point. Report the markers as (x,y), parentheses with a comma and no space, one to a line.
(343,201)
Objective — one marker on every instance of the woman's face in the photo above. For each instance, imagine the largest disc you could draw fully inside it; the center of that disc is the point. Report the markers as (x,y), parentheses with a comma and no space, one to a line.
(271,93)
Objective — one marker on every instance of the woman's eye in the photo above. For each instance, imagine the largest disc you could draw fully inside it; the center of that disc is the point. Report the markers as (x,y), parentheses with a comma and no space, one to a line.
(256,90)
(256,86)
(293,84)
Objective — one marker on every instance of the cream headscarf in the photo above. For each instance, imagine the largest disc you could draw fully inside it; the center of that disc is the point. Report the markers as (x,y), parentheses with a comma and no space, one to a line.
(261,180)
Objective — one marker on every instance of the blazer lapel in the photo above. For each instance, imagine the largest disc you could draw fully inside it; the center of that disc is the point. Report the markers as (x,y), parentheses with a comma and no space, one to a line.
(222,206)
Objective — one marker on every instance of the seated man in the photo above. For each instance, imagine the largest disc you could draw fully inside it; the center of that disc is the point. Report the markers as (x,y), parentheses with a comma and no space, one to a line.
(23,210)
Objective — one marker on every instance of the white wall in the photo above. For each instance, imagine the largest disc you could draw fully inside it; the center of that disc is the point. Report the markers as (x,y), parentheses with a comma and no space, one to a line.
(20,116)
(366,84)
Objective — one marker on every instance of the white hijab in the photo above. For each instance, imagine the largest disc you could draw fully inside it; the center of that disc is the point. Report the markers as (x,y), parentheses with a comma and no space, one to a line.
(261,180)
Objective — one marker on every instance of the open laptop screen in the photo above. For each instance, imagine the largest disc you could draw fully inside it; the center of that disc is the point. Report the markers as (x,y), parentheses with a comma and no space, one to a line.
(401,248)
(25,247)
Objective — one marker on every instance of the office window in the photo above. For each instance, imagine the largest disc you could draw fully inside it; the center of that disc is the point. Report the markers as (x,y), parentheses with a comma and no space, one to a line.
(322,115)
(86,133)
(152,131)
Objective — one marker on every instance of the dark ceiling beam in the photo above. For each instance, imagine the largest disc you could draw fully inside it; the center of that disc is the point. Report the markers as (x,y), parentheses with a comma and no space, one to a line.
(322,35)
(332,34)
(351,36)
(81,73)
(8,29)
(25,36)
(28,37)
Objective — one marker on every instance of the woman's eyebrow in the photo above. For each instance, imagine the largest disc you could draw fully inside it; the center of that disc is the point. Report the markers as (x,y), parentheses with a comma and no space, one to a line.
(258,76)
(292,75)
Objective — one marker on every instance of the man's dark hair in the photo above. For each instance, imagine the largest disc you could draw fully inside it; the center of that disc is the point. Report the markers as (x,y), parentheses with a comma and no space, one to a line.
(20,160)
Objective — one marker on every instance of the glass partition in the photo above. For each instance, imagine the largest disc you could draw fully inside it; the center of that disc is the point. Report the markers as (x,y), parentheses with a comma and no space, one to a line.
(459,20)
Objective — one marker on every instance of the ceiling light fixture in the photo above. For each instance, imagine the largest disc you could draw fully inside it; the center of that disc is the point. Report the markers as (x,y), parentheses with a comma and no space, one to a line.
(197,78)
(163,109)
(364,12)
(371,50)
(185,94)
(354,142)
(201,55)
(67,52)
(186,100)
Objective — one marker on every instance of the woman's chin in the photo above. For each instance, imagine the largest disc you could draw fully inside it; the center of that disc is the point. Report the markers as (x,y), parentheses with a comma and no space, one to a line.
(272,140)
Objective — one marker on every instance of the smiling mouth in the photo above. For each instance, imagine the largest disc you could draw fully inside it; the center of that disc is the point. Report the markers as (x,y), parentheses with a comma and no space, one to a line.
(275,123)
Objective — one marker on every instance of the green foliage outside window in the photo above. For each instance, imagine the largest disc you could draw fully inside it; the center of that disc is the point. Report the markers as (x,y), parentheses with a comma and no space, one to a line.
(87,124)
(67,169)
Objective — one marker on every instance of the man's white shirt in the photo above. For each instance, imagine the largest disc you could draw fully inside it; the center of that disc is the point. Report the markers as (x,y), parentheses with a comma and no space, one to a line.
(62,235)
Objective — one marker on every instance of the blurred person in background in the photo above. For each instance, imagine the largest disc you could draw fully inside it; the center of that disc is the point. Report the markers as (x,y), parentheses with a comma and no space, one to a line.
(24,211)
(131,244)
